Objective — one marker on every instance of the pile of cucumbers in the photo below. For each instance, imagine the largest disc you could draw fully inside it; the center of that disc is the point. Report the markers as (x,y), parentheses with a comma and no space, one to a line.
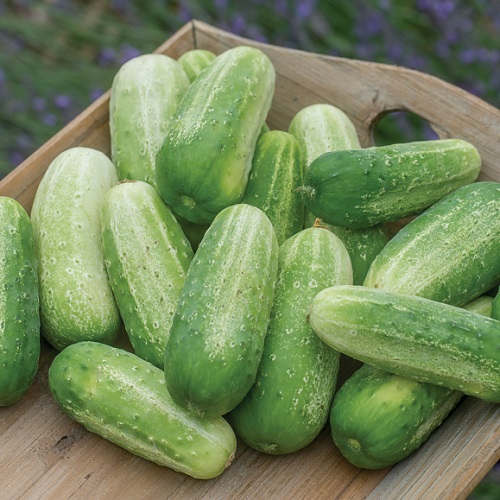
(241,262)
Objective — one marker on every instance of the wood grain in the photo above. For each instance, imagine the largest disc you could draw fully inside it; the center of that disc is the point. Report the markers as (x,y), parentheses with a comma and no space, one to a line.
(43,454)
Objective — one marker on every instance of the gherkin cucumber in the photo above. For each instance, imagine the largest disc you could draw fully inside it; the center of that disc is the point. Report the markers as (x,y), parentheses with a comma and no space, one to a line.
(123,398)
(217,336)
(194,61)
(19,314)
(147,257)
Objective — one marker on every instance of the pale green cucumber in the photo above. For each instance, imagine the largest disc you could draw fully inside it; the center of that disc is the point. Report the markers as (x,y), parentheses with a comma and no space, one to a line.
(144,97)
(379,418)
(289,403)
(147,257)
(495,306)
(216,341)
(320,128)
(274,179)
(205,160)
(363,187)
(363,244)
(123,398)
(76,301)
(194,61)
(413,337)
(449,253)
(19,314)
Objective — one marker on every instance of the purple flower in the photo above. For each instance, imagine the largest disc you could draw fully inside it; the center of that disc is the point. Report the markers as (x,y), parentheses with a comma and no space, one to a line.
(39,104)
(304,8)
(49,119)
(3,79)
(24,141)
(238,24)
(95,93)
(184,13)
(369,25)
(128,52)
(62,101)
(281,8)
(107,56)
(16,157)
(221,4)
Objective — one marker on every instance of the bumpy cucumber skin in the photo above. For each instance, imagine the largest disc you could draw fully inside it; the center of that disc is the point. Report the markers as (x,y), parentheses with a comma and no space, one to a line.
(363,187)
(495,307)
(378,418)
(123,398)
(320,128)
(144,97)
(217,336)
(289,403)
(204,163)
(413,337)
(147,257)
(19,313)
(449,253)
(363,245)
(76,301)
(194,61)
(276,174)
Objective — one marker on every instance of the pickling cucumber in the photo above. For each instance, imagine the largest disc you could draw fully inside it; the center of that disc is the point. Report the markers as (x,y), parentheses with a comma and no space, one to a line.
(123,398)
(19,315)
(363,187)
(217,336)
(204,162)
(194,61)
(277,173)
(147,257)
(412,336)
(76,300)
(449,253)
(145,94)
(289,403)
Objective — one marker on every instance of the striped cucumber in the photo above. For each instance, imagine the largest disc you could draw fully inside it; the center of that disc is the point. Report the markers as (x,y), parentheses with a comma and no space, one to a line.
(320,128)
(194,61)
(19,315)
(205,160)
(413,337)
(123,398)
(289,403)
(379,418)
(363,187)
(218,331)
(272,186)
(144,97)
(147,257)
(449,253)
(76,301)
(363,244)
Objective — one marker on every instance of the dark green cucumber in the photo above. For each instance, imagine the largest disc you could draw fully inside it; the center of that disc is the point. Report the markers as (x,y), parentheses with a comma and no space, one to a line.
(277,173)
(363,187)
(363,244)
(379,418)
(495,307)
(289,403)
(449,253)
(123,398)
(413,337)
(194,61)
(19,315)
(147,257)
(144,97)
(76,300)
(205,160)
(218,331)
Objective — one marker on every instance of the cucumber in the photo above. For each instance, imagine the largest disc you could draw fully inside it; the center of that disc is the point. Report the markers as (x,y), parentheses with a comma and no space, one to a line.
(204,162)
(413,337)
(194,61)
(363,187)
(363,245)
(289,403)
(19,315)
(194,232)
(76,301)
(123,398)
(217,336)
(379,418)
(320,128)
(145,94)
(274,179)
(147,257)
(495,306)
(449,253)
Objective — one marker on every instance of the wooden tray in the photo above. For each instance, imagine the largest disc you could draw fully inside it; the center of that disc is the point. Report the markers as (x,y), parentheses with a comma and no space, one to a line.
(43,454)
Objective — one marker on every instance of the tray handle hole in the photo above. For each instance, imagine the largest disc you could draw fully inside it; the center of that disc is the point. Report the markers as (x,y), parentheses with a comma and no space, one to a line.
(397,126)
